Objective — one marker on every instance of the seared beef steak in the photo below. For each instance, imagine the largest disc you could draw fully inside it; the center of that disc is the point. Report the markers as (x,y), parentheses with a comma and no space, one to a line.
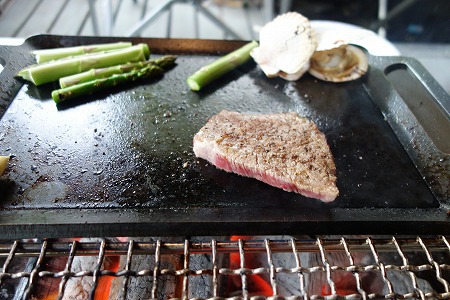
(282,149)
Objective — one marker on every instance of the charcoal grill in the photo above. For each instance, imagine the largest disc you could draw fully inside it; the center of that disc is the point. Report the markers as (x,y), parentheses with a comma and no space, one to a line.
(120,164)
(414,259)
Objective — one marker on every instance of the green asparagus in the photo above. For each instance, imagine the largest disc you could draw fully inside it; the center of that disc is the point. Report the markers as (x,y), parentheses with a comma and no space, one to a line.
(51,71)
(211,72)
(96,85)
(163,62)
(46,55)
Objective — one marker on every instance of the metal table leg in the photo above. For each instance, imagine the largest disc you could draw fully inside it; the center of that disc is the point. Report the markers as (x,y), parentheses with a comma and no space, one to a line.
(216,21)
(93,14)
(150,17)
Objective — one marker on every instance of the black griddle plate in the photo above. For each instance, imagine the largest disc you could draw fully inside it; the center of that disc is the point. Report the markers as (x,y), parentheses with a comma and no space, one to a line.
(120,163)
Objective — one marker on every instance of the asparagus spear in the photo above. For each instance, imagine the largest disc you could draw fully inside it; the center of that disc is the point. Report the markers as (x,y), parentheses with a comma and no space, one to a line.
(164,62)
(52,71)
(219,67)
(96,85)
(92,74)
(46,55)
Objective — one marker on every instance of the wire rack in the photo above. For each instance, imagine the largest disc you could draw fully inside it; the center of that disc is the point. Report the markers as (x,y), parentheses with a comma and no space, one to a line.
(232,268)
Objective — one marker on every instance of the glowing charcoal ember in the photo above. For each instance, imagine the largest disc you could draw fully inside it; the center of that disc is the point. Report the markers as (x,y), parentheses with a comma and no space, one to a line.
(257,284)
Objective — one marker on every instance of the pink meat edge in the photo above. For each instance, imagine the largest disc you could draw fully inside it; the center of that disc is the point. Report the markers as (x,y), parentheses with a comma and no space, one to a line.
(205,151)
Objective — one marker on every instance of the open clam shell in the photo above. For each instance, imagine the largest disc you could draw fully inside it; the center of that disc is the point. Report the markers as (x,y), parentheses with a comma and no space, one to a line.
(340,64)
(335,59)
(285,46)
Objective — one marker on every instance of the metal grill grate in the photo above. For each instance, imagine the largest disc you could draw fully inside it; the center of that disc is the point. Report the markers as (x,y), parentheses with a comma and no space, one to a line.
(206,268)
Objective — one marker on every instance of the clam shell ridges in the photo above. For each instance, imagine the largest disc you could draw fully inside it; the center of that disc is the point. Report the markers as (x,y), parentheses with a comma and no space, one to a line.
(286,44)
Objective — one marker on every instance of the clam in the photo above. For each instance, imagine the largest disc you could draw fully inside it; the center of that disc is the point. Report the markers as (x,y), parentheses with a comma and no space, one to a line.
(336,60)
(285,46)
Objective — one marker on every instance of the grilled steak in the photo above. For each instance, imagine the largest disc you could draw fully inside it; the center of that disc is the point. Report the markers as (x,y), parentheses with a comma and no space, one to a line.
(283,150)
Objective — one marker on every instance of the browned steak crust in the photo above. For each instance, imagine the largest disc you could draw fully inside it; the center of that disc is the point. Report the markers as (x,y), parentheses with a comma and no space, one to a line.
(281,149)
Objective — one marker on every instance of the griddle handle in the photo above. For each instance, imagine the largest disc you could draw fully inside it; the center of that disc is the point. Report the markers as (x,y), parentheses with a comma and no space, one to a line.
(417,71)
(12,59)
(403,85)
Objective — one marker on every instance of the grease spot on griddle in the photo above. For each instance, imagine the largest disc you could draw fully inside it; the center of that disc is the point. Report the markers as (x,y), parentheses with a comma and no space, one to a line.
(45,191)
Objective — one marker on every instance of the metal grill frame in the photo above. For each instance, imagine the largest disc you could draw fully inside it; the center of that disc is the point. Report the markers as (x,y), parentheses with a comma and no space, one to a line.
(323,245)
(419,219)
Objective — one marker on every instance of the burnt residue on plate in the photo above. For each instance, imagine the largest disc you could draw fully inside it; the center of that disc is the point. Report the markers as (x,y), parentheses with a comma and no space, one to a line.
(132,147)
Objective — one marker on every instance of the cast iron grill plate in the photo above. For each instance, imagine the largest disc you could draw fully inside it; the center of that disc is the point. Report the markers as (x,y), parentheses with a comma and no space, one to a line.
(120,163)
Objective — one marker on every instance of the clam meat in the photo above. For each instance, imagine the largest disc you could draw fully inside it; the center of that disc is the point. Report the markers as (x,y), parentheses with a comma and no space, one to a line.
(336,60)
